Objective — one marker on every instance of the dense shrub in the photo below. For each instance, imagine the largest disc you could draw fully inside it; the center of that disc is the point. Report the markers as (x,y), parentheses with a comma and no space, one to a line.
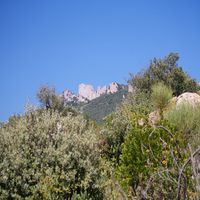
(44,155)
(146,168)
(116,127)
(146,159)
(187,119)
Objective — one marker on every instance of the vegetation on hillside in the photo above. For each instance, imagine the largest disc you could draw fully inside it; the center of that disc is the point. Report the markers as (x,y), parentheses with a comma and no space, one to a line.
(55,152)
(47,156)
(100,107)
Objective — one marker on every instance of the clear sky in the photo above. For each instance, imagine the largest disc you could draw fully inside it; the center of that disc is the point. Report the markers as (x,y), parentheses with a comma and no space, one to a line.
(66,42)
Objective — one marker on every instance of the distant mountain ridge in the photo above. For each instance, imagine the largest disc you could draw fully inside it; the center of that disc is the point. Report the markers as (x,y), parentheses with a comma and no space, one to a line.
(96,103)
(86,92)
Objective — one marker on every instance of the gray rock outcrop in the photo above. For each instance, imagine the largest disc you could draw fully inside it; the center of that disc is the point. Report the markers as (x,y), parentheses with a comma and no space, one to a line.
(86,92)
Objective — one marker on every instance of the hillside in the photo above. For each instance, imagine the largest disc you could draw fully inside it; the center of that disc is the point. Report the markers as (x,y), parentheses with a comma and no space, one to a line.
(96,103)
(148,149)
(100,107)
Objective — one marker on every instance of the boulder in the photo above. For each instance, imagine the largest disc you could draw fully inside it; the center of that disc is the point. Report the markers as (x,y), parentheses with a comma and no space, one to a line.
(154,117)
(188,97)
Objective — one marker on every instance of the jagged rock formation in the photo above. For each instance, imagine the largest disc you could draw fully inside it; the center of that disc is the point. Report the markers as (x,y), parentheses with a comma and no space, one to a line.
(69,96)
(87,92)
(112,88)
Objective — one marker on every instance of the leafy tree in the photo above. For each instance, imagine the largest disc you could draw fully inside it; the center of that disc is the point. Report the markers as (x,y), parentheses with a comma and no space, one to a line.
(44,155)
(49,100)
(46,96)
(164,70)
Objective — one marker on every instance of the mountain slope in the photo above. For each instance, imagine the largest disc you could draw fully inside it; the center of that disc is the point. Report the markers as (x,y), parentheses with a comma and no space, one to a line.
(100,107)
(96,103)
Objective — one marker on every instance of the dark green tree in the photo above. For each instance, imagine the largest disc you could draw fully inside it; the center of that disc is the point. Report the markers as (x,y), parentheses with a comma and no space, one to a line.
(164,70)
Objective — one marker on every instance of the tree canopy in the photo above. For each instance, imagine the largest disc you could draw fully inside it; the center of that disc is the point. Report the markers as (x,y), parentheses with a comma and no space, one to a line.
(164,70)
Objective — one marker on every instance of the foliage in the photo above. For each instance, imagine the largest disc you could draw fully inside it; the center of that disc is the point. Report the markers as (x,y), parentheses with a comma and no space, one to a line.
(52,152)
(117,125)
(44,155)
(102,106)
(167,71)
(160,95)
(46,96)
(81,196)
(138,102)
(146,161)
(49,100)
(187,118)
(112,136)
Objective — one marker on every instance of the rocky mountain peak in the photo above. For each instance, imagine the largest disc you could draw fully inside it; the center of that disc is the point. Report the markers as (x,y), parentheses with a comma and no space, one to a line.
(86,92)
(68,95)
(113,87)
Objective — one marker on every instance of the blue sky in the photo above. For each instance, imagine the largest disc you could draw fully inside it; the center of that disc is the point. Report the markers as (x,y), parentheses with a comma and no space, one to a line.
(64,43)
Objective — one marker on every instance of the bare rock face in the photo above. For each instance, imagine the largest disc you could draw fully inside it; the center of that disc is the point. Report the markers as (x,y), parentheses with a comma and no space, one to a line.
(86,91)
(81,99)
(69,96)
(188,97)
(112,88)
(101,90)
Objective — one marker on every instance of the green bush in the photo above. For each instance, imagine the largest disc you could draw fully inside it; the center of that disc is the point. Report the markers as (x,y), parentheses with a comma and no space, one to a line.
(160,95)
(44,155)
(146,168)
(187,120)
(146,160)
(117,124)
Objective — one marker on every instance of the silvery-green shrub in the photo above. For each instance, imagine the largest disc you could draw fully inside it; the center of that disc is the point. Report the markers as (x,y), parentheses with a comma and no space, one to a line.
(44,155)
